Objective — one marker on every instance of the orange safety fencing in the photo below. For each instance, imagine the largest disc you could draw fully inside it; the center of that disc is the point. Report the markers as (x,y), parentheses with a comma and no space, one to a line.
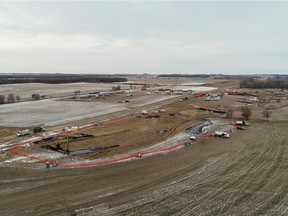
(15,148)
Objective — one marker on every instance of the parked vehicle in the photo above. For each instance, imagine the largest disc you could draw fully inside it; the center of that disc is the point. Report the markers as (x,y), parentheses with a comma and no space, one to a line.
(93,94)
(186,143)
(23,132)
(242,123)
(38,129)
(144,112)
(240,128)
(193,138)
(221,134)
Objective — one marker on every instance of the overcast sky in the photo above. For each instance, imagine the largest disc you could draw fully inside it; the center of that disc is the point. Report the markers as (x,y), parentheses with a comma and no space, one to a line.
(144,37)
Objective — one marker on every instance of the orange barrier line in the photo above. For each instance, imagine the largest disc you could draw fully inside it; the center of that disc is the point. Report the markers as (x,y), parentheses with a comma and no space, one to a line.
(15,151)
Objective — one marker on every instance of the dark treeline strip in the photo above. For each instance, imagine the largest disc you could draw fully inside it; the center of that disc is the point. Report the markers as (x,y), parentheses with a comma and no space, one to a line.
(280,83)
(57,78)
(185,75)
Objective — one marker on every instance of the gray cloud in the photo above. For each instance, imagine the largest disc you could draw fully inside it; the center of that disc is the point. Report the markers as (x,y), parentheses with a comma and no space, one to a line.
(138,37)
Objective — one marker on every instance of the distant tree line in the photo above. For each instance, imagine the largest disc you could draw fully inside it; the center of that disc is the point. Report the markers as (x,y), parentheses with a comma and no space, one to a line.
(38,96)
(185,75)
(57,78)
(11,98)
(267,83)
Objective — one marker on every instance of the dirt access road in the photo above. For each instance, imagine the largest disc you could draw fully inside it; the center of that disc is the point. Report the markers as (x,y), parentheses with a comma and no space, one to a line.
(243,175)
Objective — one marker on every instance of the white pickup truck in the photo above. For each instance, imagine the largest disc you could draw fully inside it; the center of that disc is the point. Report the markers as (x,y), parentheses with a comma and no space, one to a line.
(221,134)
(242,123)
(23,132)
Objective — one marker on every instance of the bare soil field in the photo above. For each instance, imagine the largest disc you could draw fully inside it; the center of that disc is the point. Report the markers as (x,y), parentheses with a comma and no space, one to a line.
(133,134)
(242,175)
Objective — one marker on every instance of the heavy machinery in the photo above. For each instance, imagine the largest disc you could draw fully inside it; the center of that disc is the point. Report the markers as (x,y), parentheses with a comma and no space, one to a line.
(61,144)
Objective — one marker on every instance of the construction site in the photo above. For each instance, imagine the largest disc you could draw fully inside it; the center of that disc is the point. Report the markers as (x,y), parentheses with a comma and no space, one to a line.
(148,146)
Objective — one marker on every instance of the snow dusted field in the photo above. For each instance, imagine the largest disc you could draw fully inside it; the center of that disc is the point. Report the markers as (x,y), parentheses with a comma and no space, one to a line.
(52,112)
(27,89)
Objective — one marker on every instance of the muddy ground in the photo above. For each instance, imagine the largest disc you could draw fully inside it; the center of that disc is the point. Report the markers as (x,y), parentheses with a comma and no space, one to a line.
(243,175)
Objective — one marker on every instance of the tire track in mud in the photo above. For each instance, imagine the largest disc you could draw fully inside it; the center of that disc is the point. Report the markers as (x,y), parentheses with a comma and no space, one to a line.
(255,164)
(273,175)
(243,186)
(282,191)
(147,205)
(264,179)
(252,160)
(156,202)
(174,128)
(185,181)
(248,163)
(282,197)
(249,160)
(284,212)
(197,186)
(231,183)
(270,179)
(274,201)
